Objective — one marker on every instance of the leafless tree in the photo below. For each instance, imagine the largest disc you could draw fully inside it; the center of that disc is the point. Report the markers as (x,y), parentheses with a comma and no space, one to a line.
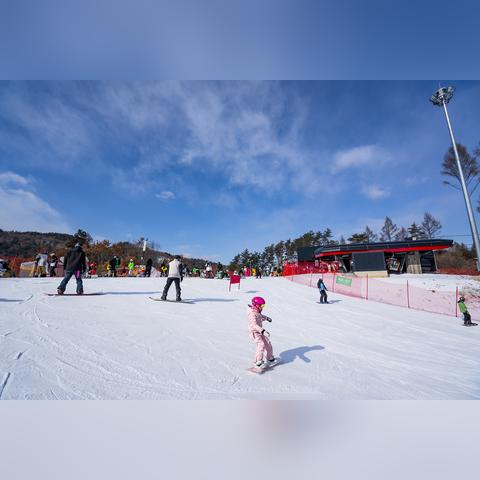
(469,166)
(389,230)
(430,225)
(401,235)
(371,237)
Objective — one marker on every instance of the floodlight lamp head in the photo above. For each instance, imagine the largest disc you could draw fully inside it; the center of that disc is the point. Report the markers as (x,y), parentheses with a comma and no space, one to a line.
(442,96)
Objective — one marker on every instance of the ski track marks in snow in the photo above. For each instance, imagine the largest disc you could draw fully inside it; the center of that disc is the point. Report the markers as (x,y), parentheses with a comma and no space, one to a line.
(125,346)
(3,385)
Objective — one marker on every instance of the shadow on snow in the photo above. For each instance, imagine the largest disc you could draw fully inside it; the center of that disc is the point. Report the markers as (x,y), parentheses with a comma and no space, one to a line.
(289,356)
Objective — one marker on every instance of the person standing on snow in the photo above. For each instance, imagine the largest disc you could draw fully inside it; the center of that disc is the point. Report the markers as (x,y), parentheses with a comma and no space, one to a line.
(41,261)
(174,276)
(164,269)
(74,264)
(53,265)
(131,266)
(259,335)
(114,263)
(323,291)
(148,267)
(467,319)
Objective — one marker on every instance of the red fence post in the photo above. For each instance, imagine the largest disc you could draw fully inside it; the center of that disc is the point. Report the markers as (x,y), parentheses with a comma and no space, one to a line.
(333,286)
(408,297)
(456,302)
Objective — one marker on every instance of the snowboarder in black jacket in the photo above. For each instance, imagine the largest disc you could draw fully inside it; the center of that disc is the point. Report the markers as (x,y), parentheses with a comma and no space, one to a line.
(74,264)
(148,268)
(323,291)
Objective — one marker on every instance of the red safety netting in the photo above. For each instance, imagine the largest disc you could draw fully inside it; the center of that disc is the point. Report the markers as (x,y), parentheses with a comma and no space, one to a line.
(400,294)
(301,268)
(14,263)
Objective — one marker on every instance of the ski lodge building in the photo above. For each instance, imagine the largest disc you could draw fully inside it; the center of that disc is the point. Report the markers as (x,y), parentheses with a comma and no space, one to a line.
(375,259)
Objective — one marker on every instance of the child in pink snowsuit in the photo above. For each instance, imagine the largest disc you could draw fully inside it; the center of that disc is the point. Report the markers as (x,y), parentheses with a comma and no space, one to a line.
(258,334)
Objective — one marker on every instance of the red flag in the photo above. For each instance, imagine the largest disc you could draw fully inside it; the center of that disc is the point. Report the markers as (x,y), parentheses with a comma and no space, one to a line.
(234,279)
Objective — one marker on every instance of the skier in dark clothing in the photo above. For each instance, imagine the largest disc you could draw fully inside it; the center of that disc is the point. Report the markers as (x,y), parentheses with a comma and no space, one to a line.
(323,291)
(74,264)
(53,265)
(148,267)
(113,266)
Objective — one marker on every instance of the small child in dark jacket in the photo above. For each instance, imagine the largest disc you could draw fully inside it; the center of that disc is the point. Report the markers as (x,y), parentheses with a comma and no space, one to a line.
(323,291)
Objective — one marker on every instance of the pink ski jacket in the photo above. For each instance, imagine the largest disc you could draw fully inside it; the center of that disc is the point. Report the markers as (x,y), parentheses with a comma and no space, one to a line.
(255,319)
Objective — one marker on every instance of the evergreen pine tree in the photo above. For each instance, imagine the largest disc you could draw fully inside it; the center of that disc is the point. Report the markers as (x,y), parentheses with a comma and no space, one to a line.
(416,232)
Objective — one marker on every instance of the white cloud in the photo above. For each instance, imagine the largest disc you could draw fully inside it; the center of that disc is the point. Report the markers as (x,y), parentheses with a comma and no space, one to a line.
(375,192)
(24,210)
(165,195)
(7,178)
(54,130)
(364,155)
(413,181)
(233,128)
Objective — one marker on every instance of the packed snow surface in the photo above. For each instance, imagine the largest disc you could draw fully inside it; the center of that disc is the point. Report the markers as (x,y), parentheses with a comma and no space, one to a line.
(122,345)
(435,281)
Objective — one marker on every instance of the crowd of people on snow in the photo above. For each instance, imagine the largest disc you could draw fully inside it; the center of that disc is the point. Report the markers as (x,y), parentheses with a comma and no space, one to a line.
(75,264)
(53,265)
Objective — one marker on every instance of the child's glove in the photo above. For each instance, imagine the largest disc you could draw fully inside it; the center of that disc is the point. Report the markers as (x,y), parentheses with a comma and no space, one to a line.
(268,319)
(265,332)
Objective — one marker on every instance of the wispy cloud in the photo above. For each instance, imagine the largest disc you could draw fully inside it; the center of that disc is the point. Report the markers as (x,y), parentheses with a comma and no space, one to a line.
(24,209)
(361,156)
(10,178)
(375,192)
(415,180)
(165,195)
(234,129)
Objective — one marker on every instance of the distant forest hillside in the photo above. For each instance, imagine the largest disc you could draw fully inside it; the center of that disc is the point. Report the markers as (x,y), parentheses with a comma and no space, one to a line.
(29,244)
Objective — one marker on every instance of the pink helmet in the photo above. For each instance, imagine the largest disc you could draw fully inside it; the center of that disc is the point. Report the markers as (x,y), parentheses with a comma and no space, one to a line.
(258,301)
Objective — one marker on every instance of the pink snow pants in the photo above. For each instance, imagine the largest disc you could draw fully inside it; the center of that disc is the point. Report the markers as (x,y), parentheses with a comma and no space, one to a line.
(263,347)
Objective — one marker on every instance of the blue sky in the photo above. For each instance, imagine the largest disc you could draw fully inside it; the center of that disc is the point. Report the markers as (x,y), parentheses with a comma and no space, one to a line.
(210,168)
(239,39)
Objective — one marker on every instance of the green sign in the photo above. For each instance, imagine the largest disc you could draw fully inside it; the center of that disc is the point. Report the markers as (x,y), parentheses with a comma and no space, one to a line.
(344,281)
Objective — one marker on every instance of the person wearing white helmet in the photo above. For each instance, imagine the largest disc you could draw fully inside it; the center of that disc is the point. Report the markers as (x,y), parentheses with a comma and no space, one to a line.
(53,265)
(131,266)
(467,319)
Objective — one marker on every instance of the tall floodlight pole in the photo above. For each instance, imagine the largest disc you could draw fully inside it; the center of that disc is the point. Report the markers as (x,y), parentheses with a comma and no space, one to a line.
(440,98)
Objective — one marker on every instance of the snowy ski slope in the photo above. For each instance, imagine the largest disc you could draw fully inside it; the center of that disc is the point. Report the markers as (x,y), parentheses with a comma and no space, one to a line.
(122,345)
